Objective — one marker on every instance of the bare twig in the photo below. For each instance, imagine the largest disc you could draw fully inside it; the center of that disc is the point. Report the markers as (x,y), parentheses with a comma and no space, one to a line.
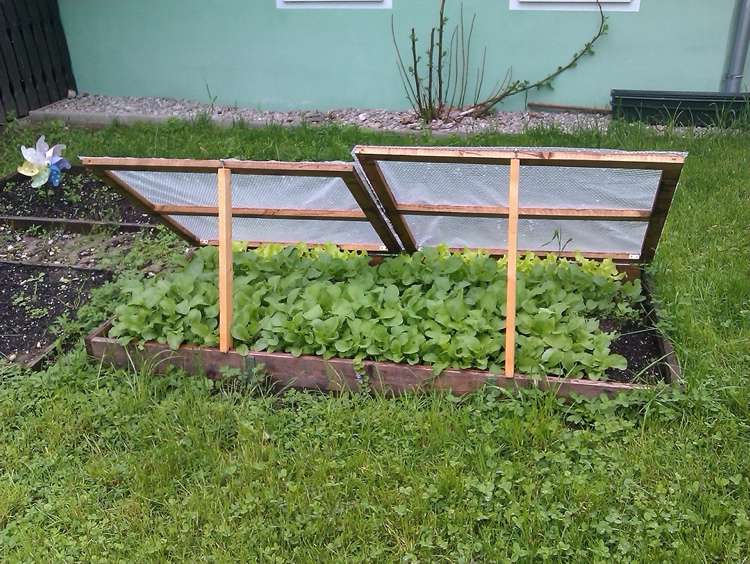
(520,86)
(432,96)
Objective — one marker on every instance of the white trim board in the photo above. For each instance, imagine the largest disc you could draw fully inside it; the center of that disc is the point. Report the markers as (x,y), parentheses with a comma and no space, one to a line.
(576,5)
(334,4)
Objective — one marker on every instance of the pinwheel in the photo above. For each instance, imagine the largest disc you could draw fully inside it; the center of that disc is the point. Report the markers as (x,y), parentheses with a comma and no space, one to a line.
(43,164)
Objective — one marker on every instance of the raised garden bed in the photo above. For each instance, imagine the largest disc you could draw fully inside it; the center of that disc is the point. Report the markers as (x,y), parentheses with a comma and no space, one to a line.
(82,203)
(32,297)
(649,356)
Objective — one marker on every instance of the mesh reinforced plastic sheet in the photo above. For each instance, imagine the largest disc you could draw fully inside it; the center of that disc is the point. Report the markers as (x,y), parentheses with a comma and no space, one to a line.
(283,230)
(533,234)
(598,202)
(540,186)
(248,190)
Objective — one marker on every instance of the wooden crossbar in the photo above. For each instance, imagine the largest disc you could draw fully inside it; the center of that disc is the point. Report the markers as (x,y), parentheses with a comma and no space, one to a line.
(510,302)
(608,214)
(275,213)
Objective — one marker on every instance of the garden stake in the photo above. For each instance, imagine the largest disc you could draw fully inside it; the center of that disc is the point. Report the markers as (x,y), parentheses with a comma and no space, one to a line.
(510,302)
(225,259)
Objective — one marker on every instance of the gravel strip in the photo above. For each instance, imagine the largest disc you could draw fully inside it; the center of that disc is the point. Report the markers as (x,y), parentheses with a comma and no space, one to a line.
(152,108)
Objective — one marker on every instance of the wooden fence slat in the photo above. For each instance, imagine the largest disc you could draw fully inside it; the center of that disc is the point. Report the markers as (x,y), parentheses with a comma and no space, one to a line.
(225,259)
(62,45)
(55,78)
(45,72)
(11,76)
(510,303)
(8,10)
(33,46)
(6,96)
(35,68)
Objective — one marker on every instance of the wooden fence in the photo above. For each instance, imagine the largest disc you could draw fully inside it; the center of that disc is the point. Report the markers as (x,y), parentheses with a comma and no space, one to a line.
(35,65)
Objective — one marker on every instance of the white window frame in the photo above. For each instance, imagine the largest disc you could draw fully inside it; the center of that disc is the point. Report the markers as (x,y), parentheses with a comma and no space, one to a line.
(333,4)
(576,5)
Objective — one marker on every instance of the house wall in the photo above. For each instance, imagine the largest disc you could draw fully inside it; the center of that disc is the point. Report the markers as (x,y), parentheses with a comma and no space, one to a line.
(250,53)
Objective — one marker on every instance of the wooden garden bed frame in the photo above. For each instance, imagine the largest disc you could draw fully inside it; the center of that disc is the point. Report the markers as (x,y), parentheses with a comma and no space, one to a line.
(334,374)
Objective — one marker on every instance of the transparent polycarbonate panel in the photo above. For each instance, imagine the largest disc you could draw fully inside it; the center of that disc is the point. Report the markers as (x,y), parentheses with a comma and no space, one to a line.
(580,187)
(471,232)
(582,235)
(447,183)
(533,234)
(248,190)
(540,186)
(283,230)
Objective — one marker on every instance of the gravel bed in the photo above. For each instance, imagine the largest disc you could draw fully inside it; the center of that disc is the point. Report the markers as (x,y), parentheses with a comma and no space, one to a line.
(151,108)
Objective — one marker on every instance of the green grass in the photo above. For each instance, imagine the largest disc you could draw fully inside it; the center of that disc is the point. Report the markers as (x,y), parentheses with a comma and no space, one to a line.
(102,465)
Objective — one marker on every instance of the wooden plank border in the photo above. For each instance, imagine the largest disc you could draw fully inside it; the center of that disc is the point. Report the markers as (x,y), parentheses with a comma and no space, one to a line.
(335,374)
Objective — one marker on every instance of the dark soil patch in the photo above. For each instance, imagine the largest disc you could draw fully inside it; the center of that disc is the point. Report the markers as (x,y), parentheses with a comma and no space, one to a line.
(32,298)
(60,248)
(80,195)
(638,342)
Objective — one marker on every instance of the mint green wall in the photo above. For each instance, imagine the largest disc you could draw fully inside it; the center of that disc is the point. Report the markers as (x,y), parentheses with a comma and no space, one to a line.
(252,54)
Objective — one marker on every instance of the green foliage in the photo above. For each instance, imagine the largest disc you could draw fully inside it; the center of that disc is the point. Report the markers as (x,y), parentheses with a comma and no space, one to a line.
(99,465)
(434,307)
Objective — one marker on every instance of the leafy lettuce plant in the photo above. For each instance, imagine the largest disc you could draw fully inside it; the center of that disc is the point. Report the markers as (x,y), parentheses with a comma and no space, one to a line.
(432,307)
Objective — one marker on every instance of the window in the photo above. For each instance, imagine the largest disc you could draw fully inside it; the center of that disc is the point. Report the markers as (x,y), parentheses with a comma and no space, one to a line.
(607,5)
(346,4)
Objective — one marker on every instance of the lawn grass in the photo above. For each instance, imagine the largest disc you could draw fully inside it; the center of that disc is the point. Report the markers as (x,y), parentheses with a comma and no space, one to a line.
(102,465)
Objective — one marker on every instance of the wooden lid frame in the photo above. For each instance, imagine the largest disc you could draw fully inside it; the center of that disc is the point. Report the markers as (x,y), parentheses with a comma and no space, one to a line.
(669,163)
(368,212)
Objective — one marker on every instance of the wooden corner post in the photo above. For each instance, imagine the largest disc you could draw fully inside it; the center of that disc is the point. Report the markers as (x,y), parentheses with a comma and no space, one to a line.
(512,255)
(225,259)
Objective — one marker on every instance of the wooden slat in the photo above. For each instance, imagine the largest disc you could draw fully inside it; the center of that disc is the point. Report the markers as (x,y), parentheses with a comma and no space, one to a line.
(536,157)
(10,77)
(268,168)
(662,202)
(277,213)
(45,49)
(129,191)
(8,10)
(384,194)
(510,303)
(7,104)
(225,259)
(61,43)
(42,9)
(32,42)
(345,246)
(528,213)
(356,187)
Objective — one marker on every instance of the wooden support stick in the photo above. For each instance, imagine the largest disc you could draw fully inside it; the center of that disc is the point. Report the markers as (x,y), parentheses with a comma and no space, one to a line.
(510,302)
(225,259)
